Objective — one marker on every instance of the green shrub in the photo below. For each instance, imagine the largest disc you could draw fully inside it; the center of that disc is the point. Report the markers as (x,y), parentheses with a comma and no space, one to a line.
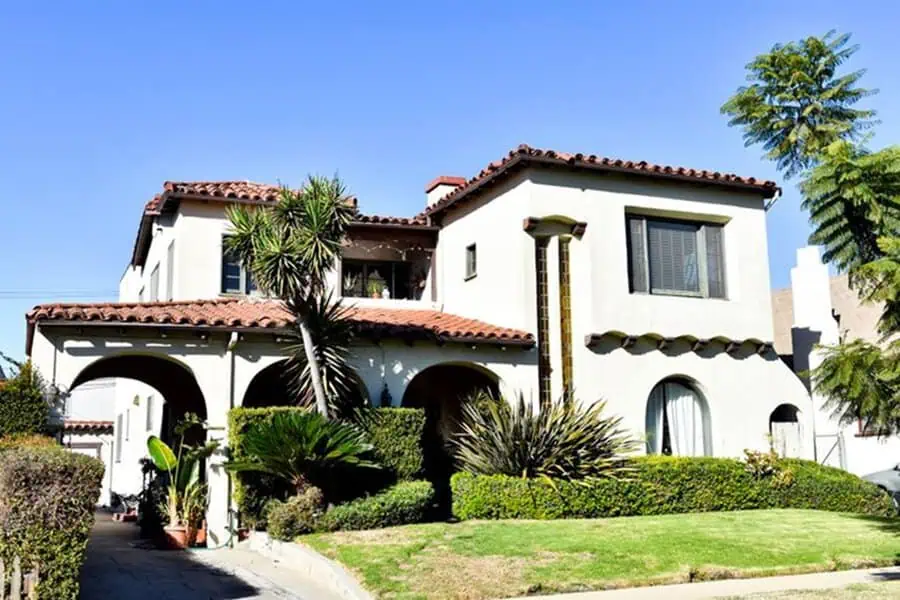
(27,440)
(47,501)
(663,485)
(396,434)
(253,491)
(25,401)
(299,515)
(405,503)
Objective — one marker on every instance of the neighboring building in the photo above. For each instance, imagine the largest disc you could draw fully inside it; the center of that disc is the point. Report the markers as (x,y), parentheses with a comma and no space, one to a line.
(644,285)
(87,427)
(819,309)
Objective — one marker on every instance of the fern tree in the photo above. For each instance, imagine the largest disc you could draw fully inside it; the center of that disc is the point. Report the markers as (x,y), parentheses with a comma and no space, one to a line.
(853,198)
(797,103)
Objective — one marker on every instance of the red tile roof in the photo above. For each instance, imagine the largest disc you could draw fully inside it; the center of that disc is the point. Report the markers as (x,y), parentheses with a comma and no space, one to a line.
(524,155)
(444,180)
(76,425)
(243,313)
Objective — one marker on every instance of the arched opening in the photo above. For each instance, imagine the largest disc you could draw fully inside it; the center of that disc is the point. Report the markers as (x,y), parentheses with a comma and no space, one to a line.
(272,387)
(441,391)
(784,431)
(678,419)
(173,381)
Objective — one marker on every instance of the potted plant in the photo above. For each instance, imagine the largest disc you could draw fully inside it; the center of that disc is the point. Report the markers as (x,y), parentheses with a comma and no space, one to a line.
(184,503)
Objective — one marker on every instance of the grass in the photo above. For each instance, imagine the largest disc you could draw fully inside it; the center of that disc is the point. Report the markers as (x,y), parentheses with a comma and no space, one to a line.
(867,591)
(490,559)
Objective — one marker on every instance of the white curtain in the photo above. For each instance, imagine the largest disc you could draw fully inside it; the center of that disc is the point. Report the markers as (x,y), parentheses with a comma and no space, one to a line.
(687,420)
(655,420)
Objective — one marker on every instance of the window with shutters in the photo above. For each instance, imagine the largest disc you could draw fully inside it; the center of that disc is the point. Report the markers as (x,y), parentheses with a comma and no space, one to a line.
(682,258)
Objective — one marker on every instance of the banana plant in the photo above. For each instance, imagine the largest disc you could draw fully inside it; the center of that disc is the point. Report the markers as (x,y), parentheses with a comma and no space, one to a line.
(183,470)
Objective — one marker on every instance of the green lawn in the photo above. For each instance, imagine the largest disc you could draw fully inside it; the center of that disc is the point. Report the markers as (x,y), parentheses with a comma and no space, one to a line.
(490,559)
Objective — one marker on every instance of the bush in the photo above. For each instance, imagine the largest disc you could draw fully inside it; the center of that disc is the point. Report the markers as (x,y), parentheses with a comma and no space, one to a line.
(396,434)
(663,485)
(405,503)
(297,516)
(567,440)
(24,403)
(27,440)
(47,501)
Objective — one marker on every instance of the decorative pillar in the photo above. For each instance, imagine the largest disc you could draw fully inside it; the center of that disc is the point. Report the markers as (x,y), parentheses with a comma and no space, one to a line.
(543,321)
(565,316)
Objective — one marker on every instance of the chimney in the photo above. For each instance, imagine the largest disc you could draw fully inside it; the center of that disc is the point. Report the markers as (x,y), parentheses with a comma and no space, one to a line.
(440,187)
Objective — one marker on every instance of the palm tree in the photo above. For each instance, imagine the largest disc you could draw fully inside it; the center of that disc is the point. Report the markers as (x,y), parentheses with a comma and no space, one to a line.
(301,448)
(291,247)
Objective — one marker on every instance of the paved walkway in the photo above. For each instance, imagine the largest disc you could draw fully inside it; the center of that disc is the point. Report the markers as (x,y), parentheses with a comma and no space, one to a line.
(117,566)
(740,587)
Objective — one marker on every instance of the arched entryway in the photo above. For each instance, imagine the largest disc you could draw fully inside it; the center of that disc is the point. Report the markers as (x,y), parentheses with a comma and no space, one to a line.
(273,386)
(173,380)
(678,421)
(785,431)
(441,390)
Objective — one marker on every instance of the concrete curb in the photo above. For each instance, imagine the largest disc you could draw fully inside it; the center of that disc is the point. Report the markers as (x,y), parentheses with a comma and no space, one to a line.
(310,564)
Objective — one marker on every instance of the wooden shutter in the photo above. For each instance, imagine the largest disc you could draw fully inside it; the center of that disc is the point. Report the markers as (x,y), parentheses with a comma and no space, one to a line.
(637,250)
(715,261)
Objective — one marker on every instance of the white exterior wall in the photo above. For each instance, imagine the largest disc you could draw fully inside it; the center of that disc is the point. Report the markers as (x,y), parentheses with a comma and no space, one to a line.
(93,401)
(741,392)
(814,324)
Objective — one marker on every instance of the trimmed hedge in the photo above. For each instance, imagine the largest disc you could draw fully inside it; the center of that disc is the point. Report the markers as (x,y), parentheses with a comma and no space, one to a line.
(47,501)
(24,408)
(396,434)
(664,485)
(405,503)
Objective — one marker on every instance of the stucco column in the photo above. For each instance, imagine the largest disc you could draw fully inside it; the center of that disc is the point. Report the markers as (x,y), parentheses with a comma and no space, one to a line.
(216,387)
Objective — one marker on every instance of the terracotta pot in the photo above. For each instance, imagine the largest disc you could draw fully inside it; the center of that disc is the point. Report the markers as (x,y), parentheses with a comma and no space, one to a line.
(200,536)
(176,537)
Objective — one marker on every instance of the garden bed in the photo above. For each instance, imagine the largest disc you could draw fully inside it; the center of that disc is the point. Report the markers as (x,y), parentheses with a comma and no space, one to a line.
(489,559)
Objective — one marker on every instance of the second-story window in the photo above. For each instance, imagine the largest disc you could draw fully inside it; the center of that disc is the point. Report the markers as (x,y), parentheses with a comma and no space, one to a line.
(682,258)
(170,271)
(375,279)
(235,278)
(471,261)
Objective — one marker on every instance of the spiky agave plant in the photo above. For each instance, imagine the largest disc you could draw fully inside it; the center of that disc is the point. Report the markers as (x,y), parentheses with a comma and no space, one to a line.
(569,441)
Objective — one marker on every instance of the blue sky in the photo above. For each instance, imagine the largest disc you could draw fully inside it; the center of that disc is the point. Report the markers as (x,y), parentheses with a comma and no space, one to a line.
(104,101)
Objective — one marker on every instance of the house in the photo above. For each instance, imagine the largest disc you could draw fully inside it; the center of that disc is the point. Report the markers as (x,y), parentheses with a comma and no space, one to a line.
(87,427)
(817,309)
(546,273)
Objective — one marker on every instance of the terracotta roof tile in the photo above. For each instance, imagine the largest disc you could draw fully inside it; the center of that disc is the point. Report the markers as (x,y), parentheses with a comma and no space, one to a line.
(87,426)
(261,193)
(524,154)
(245,313)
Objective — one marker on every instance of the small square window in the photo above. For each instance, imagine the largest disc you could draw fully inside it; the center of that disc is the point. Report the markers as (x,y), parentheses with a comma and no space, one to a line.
(471,261)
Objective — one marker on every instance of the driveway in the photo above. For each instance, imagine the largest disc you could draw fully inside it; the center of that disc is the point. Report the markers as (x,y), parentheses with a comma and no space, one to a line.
(119,566)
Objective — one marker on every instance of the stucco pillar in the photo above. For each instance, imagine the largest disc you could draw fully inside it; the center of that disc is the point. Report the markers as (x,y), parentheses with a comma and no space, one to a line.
(814,324)
(217,392)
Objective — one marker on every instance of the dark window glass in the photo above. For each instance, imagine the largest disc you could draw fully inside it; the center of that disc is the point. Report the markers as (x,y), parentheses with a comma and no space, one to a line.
(471,261)
(375,279)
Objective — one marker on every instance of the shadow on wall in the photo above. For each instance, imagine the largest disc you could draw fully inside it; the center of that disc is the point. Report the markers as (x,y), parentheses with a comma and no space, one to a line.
(804,340)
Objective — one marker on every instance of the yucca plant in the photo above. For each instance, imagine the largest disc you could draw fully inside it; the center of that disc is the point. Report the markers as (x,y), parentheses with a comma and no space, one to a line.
(566,440)
(302,448)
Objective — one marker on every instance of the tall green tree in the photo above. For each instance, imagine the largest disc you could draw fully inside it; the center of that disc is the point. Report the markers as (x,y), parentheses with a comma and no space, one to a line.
(796,103)
(291,247)
(853,198)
